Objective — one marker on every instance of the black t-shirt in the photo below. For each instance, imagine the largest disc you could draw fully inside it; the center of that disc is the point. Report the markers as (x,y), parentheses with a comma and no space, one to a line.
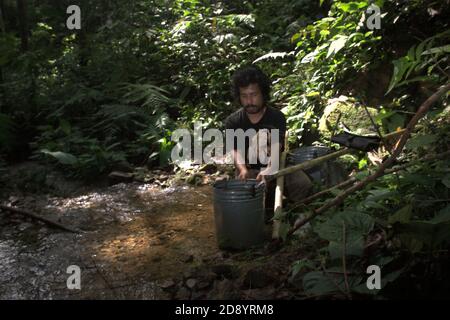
(272,119)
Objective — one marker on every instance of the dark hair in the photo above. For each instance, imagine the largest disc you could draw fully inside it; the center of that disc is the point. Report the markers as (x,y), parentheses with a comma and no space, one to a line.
(249,75)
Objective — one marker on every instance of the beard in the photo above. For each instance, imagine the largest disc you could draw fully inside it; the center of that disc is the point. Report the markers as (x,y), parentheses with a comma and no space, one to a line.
(252,109)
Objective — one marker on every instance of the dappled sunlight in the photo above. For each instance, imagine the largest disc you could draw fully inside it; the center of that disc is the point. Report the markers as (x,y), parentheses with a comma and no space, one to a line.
(132,231)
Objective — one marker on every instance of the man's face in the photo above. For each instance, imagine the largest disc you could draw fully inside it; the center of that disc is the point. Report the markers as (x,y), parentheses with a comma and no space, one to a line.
(251,98)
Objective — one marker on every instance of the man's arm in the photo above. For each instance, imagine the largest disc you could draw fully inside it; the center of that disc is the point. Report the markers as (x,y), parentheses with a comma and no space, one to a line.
(239,162)
(238,159)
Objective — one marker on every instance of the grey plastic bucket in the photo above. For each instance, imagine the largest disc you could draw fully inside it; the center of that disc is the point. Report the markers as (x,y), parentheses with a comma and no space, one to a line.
(239,213)
(303,154)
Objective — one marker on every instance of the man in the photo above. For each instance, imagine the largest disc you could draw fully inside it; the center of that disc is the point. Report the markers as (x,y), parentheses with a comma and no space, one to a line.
(251,90)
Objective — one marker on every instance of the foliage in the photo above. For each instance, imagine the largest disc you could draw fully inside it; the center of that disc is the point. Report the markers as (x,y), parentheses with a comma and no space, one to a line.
(109,96)
(427,56)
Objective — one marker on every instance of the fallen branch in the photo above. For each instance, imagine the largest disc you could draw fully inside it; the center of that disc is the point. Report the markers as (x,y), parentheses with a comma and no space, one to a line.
(36,217)
(354,179)
(382,167)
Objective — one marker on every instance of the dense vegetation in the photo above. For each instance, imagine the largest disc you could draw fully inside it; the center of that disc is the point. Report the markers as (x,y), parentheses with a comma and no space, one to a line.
(109,95)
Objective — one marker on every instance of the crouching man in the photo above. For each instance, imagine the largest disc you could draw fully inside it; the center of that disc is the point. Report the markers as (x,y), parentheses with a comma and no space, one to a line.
(259,154)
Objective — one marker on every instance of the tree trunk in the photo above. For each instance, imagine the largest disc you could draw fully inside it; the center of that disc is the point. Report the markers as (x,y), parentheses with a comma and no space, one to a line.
(23,21)
(2,17)
(2,31)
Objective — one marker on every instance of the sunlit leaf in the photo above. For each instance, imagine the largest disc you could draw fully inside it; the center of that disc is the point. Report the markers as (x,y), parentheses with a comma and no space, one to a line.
(62,157)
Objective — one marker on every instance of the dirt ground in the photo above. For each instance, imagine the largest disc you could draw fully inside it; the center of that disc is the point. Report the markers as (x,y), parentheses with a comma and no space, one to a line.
(139,241)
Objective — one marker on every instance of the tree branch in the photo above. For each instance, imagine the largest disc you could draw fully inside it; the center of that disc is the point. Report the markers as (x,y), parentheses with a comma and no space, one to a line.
(383,166)
(388,171)
(39,218)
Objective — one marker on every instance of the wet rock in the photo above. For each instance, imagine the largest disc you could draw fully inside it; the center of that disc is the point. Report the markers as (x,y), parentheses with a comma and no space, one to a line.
(258,278)
(197,295)
(208,276)
(183,294)
(163,178)
(187,275)
(188,258)
(13,200)
(24,226)
(195,179)
(43,230)
(204,284)
(163,237)
(258,294)
(156,259)
(208,168)
(283,295)
(167,284)
(120,177)
(225,271)
(218,257)
(223,290)
(191,283)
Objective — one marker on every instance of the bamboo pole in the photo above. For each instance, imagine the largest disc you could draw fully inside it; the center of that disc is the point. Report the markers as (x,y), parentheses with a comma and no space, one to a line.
(280,190)
(317,161)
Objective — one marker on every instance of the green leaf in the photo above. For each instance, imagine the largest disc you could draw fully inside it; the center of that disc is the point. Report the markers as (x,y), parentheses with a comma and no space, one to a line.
(273,55)
(403,215)
(397,75)
(443,49)
(313,94)
(65,126)
(337,45)
(385,279)
(62,157)
(410,242)
(430,233)
(380,194)
(299,265)
(420,141)
(284,230)
(357,226)
(317,283)
(442,216)
(446,180)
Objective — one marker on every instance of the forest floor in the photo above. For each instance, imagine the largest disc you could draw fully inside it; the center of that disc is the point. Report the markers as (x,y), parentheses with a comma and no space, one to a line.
(138,241)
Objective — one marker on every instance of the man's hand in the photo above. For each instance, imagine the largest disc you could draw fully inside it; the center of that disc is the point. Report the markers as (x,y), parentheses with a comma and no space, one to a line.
(243,174)
(266,172)
(260,177)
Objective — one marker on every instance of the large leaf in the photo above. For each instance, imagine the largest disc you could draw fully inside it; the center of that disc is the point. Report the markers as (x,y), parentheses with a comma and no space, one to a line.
(299,265)
(442,216)
(446,180)
(337,45)
(385,279)
(357,226)
(403,215)
(331,281)
(274,55)
(420,141)
(62,157)
(400,67)
(430,233)
(443,49)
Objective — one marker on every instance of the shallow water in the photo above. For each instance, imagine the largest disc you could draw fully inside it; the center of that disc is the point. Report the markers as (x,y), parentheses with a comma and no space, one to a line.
(135,235)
